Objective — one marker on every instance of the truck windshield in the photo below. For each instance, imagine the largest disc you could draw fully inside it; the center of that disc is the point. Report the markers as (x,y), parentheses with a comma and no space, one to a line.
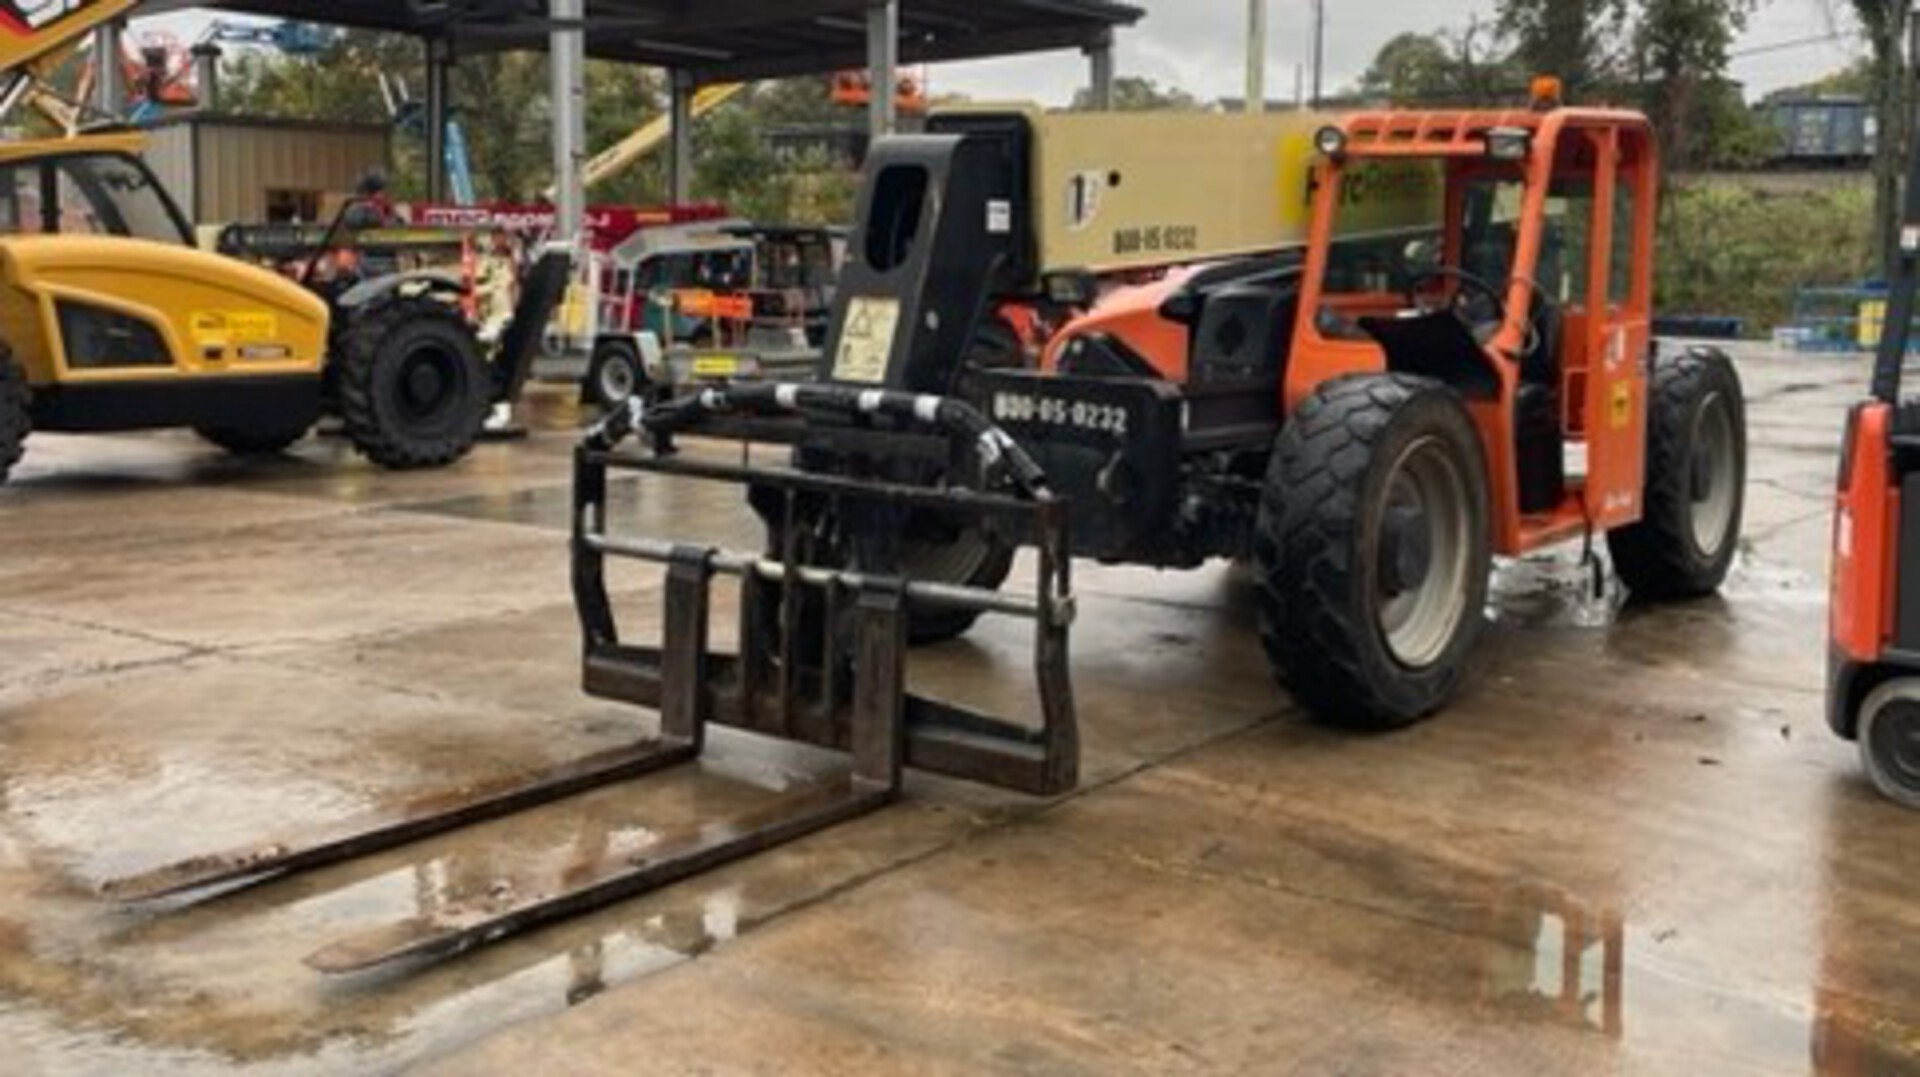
(104,194)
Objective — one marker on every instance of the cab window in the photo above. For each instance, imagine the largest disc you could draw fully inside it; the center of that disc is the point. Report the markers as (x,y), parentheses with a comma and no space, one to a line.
(87,194)
(115,195)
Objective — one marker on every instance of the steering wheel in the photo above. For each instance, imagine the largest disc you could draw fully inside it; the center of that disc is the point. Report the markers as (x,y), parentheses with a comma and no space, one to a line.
(1475,302)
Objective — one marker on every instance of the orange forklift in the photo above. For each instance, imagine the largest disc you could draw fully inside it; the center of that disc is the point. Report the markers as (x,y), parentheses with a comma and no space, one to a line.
(1873,683)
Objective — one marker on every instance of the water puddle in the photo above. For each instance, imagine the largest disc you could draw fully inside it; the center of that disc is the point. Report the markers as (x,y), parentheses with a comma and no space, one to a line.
(1556,590)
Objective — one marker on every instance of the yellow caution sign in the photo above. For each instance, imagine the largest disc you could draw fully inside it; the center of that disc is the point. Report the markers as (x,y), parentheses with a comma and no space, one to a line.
(866,340)
(1621,411)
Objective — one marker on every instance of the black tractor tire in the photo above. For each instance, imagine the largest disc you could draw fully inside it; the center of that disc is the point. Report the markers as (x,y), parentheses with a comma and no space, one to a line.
(971,559)
(1689,531)
(262,438)
(414,387)
(614,375)
(1373,550)
(974,559)
(16,414)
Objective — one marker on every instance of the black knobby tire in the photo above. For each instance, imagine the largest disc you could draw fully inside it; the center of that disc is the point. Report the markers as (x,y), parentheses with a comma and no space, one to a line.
(973,559)
(1374,551)
(16,414)
(1689,532)
(615,374)
(414,389)
(263,438)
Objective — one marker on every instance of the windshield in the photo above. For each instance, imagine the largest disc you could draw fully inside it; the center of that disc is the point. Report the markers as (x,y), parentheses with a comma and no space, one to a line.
(106,194)
(1390,227)
(1392,249)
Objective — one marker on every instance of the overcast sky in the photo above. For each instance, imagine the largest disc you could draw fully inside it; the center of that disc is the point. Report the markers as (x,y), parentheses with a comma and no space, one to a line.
(1199,45)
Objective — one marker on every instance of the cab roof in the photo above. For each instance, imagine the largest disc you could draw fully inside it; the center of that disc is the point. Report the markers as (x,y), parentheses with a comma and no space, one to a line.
(1444,133)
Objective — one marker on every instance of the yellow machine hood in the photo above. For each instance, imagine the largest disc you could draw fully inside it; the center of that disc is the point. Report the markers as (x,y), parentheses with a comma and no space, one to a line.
(217,315)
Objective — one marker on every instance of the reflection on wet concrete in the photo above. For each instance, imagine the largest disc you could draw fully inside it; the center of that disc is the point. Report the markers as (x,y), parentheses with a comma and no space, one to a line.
(1563,962)
(1631,849)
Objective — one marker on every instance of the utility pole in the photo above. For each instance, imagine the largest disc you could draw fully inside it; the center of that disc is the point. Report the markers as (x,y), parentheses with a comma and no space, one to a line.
(1256,56)
(1319,51)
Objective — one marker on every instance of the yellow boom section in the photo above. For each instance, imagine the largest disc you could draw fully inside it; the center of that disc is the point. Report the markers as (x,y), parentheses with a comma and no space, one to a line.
(36,32)
(621,155)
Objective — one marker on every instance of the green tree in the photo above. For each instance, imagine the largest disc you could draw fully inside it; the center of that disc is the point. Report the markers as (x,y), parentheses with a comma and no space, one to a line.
(1464,67)
(1134,93)
(1409,68)
(736,165)
(1681,51)
(1576,41)
(512,147)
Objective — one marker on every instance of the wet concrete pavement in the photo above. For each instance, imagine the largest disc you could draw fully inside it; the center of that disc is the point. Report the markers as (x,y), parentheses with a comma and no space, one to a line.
(1633,847)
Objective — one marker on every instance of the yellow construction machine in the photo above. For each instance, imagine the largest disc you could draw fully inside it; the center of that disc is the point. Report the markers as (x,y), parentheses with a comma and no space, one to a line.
(111,320)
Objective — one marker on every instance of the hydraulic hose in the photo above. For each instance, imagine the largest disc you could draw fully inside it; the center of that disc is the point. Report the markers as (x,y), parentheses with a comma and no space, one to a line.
(955,418)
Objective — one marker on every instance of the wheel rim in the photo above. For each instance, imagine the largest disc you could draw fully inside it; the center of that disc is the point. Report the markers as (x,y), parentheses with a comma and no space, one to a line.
(1425,534)
(1713,477)
(617,381)
(1890,740)
(431,382)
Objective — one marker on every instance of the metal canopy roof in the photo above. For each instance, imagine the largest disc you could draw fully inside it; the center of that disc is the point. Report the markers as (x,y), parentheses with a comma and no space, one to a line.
(730,40)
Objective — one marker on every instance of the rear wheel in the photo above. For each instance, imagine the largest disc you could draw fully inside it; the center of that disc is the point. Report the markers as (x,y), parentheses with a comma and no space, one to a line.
(1373,550)
(260,438)
(615,374)
(414,389)
(1889,736)
(16,418)
(1685,543)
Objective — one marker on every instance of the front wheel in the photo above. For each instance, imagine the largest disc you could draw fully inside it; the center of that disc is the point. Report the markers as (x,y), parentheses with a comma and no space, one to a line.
(16,416)
(1373,550)
(1685,542)
(972,558)
(1889,735)
(414,389)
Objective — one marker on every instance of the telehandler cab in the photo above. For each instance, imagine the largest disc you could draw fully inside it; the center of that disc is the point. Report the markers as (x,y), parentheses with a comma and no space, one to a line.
(1365,355)
(110,320)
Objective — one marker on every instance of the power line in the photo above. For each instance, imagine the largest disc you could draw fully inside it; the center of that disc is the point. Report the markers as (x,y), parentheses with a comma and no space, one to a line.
(1796,43)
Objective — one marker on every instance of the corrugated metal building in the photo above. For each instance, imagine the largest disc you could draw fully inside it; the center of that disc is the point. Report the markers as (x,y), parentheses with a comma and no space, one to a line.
(224,169)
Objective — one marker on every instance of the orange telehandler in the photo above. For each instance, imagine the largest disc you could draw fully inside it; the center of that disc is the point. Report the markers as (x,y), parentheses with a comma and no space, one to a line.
(1363,354)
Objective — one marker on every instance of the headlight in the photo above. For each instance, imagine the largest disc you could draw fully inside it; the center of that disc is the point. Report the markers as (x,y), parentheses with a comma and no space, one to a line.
(1331,141)
(1509,144)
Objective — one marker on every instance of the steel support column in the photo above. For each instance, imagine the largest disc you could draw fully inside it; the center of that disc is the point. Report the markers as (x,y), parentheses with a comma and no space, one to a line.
(109,84)
(1100,72)
(883,63)
(439,111)
(1256,56)
(569,93)
(680,150)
